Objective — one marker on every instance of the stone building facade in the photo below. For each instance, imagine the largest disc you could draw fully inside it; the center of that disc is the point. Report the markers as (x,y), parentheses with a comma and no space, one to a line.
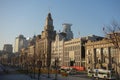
(102,54)
(73,52)
(43,42)
(57,49)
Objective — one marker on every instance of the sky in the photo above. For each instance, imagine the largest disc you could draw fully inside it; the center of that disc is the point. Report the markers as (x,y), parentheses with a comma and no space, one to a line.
(27,17)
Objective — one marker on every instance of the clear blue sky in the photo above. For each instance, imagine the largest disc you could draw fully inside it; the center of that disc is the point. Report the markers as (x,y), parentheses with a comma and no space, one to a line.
(27,17)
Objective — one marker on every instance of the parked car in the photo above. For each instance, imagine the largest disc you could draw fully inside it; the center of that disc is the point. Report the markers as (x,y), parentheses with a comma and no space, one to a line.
(68,70)
(72,71)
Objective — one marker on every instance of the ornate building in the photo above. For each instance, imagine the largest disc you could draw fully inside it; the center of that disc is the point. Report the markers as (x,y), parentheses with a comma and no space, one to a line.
(102,54)
(57,49)
(43,42)
(73,52)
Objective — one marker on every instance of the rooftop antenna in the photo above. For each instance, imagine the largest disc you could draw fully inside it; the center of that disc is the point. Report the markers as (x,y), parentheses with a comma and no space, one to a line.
(49,9)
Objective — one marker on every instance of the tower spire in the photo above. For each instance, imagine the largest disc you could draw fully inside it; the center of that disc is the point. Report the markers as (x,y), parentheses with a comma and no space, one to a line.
(49,16)
(49,22)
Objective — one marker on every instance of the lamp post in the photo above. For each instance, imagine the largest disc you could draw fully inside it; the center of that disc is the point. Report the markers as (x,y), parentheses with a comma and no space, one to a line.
(39,63)
(30,69)
(56,66)
(48,70)
(34,68)
(27,64)
(27,67)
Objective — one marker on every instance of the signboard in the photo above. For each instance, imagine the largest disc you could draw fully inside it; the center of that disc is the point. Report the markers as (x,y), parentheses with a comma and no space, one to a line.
(71,55)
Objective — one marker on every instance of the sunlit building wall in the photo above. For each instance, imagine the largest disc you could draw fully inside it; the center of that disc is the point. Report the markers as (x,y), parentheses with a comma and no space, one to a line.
(20,42)
(57,50)
(102,54)
(73,52)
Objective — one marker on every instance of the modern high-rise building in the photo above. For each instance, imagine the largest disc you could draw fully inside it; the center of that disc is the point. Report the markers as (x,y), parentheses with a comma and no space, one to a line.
(8,48)
(20,42)
(67,30)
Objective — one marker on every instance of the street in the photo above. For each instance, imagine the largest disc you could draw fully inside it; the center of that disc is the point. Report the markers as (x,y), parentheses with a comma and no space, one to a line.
(12,74)
(26,77)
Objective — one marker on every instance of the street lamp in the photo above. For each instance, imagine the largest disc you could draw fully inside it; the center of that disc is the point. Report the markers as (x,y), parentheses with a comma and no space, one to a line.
(48,70)
(39,63)
(30,69)
(56,66)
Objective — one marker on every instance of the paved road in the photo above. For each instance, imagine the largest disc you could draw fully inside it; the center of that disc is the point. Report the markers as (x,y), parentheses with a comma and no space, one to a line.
(13,75)
(26,77)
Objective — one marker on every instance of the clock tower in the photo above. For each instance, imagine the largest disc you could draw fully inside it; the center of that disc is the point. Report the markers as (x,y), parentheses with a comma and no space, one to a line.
(44,42)
(49,23)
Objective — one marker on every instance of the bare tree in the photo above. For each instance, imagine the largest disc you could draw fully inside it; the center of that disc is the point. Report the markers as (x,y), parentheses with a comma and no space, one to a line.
(112,33)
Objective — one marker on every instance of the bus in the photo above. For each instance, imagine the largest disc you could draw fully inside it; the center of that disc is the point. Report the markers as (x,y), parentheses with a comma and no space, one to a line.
(102,74)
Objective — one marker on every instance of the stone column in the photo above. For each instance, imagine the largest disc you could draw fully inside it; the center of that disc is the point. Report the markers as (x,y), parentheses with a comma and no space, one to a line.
(101,51)
(94,53)
(109,57)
